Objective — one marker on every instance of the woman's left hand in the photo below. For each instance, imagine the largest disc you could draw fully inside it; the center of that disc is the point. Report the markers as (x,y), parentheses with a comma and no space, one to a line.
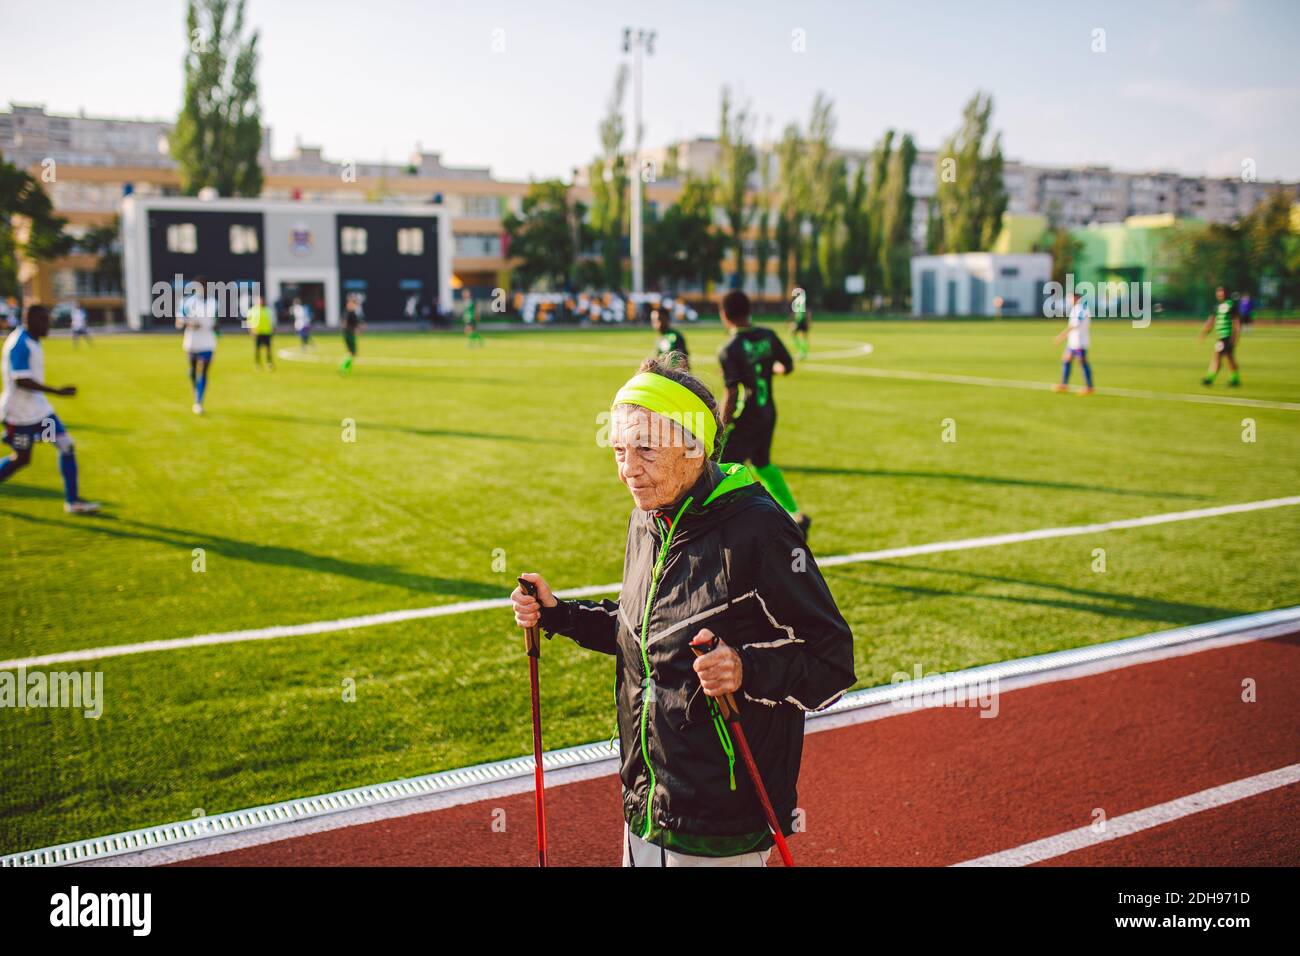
(720,670)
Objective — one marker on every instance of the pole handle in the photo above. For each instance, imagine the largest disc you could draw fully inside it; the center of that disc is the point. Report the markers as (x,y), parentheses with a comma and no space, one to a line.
(532,635)
(726,703)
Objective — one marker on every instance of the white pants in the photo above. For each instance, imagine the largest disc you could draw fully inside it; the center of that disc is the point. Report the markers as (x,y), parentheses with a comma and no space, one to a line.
(636,852)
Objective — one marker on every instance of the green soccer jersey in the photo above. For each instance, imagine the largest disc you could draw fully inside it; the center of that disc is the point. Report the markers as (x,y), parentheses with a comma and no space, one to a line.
(1224,313)
(671,341)
(468,317)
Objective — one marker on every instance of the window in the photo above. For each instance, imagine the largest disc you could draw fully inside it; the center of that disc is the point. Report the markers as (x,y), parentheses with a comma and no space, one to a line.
(482,207)
(410,241)
(243,240)
(1009,272)
(352,241)
(182,237)
(479,246)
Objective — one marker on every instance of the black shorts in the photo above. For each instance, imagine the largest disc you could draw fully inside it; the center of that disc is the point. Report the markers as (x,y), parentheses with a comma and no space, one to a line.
(350,341)
(263,340)
(801,325)
(1224,347)
(750,439)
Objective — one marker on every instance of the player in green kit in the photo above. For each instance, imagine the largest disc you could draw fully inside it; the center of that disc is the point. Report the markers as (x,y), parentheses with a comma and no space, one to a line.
(261,325)
(470,317)
(799,322)
(1226,322)
(750,357)
(352,324)
(670,340)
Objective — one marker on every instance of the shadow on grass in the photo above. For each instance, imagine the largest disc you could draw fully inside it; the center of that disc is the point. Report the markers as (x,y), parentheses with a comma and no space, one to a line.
(366,425)
(10,490)
(127,529)
(981,480)
(1090,601)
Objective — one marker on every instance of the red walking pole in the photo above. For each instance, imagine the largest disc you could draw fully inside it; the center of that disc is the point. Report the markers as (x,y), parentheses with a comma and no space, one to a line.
(533,648)
(726,705)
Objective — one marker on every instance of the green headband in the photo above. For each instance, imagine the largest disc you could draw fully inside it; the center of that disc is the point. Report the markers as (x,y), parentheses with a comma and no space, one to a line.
(671,400)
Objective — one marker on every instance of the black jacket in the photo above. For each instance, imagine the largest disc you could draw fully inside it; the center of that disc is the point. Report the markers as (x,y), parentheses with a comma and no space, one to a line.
(737,564)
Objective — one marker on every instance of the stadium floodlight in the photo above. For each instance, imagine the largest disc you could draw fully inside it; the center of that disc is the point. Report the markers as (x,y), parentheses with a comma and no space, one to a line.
(644,42)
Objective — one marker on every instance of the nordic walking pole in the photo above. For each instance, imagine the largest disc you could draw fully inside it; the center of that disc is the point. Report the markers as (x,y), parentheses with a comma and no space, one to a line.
(533,648)
(726,704)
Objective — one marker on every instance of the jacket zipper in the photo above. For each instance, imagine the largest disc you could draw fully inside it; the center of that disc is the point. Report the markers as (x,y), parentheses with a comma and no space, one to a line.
(645,661)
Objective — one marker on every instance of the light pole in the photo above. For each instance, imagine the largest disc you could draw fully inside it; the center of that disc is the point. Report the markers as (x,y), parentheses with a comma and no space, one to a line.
(634,42)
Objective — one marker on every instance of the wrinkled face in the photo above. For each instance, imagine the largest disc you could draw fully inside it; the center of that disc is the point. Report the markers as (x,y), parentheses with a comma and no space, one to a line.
(653,456)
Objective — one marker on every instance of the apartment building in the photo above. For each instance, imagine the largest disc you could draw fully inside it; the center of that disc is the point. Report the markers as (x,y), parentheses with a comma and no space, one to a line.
(88,164)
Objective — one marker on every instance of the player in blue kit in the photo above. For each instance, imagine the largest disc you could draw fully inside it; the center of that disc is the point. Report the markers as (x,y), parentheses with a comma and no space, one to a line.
(27,414)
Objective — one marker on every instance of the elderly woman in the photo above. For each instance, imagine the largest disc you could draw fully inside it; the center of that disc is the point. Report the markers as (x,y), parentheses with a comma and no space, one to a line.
(708,552)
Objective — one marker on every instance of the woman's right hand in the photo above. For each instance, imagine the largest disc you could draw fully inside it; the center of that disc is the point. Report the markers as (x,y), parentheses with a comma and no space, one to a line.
(527,610)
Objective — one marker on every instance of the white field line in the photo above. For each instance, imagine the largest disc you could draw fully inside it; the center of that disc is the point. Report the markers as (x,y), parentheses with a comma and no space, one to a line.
(477,361)
(1047,386)
(464,607)
(1139,820)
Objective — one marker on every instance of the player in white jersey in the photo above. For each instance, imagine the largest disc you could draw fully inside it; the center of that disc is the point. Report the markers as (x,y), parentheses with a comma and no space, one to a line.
(77,319)
(27,414)
(1076,336)
(198,317)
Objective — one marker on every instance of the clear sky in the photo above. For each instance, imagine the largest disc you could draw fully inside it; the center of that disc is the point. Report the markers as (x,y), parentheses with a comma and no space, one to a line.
(1194,86)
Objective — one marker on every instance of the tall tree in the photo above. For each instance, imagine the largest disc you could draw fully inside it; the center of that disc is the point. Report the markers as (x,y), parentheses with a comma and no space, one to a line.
(824,177)
(546,236)
(682,246)
(738,161)
(217,140)
(763,240)
(793,198)
(26,208)
(608,178)
(875,210)
(896,223)
(858,230)
(970,192)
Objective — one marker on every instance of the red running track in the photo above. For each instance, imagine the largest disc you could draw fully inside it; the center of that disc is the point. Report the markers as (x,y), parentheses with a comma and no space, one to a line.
(940,786)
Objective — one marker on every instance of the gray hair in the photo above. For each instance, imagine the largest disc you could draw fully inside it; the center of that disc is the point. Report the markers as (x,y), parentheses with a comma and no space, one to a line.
(671,367)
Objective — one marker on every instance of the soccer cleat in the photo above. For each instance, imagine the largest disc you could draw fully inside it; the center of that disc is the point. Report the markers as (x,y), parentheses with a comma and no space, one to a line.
(197,408)
(80,507)
(1060,387)
(1207,381)
(1087,390)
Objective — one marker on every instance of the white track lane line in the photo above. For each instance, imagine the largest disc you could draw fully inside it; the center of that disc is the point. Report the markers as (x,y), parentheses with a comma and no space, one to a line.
(464,607)
(1139,820)
(1047,386)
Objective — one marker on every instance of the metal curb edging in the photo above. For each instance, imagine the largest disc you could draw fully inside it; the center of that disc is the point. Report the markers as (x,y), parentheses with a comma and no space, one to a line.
(304,808)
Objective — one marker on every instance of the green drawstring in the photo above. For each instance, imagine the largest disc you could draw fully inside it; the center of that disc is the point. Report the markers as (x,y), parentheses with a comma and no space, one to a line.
(724,738)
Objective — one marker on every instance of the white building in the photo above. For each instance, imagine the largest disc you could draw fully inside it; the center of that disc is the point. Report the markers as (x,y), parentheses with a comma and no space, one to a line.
(980,283)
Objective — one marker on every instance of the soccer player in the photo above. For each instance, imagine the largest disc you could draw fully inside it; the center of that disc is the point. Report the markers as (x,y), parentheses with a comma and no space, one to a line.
(750,357)
(799,322)
(469,317)
(1076,332)
(198,317)
(301,323)
(261,325)
(27,413)
(1226,322)
(670,340)
(352,323)
(77,320)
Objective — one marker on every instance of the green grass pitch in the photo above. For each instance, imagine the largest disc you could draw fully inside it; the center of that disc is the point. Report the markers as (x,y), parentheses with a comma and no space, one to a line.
(469,467)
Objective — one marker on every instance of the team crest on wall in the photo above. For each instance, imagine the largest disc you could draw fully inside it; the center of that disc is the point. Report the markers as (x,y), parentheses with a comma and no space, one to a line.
(300,241)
